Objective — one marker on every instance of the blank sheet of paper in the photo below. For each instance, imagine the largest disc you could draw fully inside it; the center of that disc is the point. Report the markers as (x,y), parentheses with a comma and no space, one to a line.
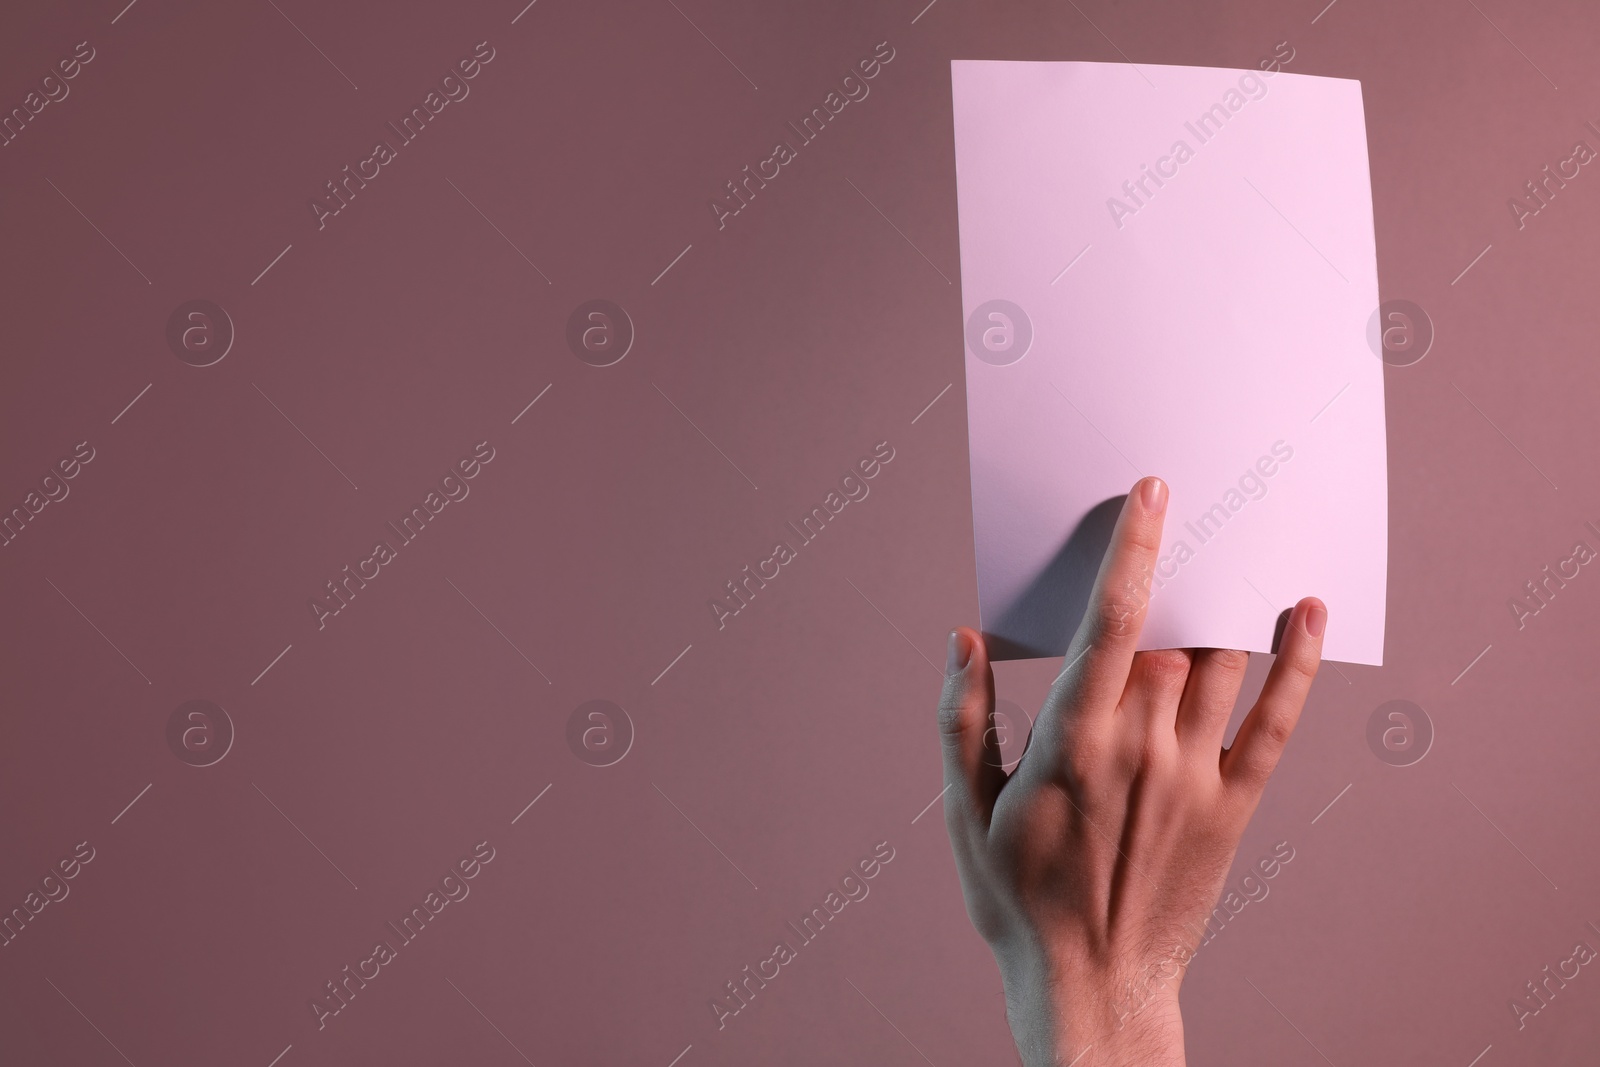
(1171,270)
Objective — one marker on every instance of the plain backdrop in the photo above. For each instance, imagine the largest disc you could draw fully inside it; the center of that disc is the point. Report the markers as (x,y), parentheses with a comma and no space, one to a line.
(770,755)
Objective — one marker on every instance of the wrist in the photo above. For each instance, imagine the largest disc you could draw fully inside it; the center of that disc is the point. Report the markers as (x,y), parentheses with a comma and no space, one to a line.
(1090,1017)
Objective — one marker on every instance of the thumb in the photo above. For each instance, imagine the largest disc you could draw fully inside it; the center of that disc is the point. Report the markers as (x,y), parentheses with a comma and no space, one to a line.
(972,772)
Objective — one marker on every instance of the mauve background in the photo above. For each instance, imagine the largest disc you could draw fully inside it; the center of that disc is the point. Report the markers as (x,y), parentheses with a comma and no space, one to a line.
(802,734)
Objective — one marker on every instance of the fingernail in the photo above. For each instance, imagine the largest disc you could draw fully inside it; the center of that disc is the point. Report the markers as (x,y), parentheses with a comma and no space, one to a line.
(1316,619)
(959,654)
(1154,494)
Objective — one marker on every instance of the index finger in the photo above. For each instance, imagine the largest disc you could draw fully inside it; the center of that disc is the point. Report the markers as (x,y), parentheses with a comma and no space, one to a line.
(1095,670)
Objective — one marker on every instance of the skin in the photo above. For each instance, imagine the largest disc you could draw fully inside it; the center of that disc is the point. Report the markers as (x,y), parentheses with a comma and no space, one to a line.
(1091,868)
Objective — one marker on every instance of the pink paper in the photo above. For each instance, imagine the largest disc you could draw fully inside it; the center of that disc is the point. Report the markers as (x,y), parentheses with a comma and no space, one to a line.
(1205,322)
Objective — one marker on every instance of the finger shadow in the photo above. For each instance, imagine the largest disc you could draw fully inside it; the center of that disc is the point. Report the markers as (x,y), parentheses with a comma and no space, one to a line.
(1278,630)
(1042,620)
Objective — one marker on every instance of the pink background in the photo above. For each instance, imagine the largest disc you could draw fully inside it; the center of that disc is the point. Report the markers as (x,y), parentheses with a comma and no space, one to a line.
(776,752)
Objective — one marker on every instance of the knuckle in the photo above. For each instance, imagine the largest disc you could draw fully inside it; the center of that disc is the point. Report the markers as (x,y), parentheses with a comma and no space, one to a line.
(1167,666)
(1119,611)
(1242,772)
(1277,726)
(1305,674)
(1145,535)
(952,719)
(1112,619)
(1255,769)
(1230,659)
(1303,668)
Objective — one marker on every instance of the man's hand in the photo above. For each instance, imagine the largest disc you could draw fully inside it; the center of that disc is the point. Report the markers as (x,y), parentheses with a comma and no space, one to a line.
(1092,867)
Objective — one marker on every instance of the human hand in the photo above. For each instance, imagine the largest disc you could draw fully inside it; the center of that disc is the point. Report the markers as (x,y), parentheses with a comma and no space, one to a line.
(1091,868)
